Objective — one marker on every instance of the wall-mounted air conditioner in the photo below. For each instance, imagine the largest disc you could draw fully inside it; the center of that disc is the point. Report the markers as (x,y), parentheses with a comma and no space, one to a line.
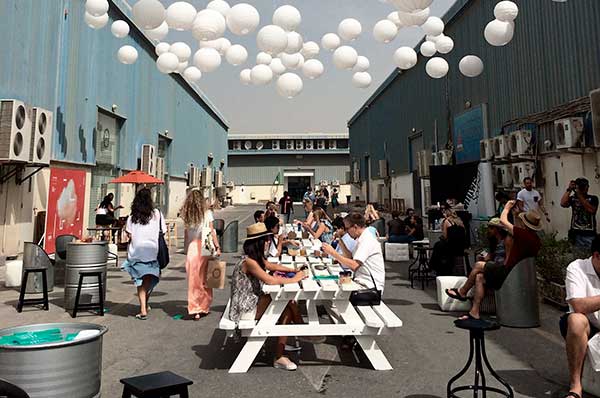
(193,176)
(15,131)
(355,172)
(260,145)
(569,133)
(275,145)
(309,144)
(321,144)
(237,145)
(230,184)
(289,145)
(206,179)
(486,149)
(520,171)
(332,144)
(501,149)
(248,145)
(504,176)
(424,160)
(219,178)
(41,136)
(520,143)
(442,158)
(148,159)
(383,168)
(595,102)
(335,183)
(300,144)
(160,168)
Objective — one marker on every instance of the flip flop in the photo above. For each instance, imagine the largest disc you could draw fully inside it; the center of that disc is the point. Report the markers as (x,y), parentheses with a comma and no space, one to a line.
(141,317)
(572,394)
(453,293)
(470,317)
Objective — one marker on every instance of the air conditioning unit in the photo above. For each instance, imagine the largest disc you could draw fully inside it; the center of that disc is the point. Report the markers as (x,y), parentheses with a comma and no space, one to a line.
(275,145)
(160,168)
(501,149)
(206,177)
(260,145)
(335,183)
(193,176)
(289,145)
(520,143)
(248,145)
(520,171)
(41,136)
(219,178)
(442,158)
(486,149)
(148,164)
(237,145)
(355,172)
(595,102)
(569,133)
(321,144)
(15,131)
(504,176)
(383,168)
(309,144)
(299,144)
(332,144)
(424,160)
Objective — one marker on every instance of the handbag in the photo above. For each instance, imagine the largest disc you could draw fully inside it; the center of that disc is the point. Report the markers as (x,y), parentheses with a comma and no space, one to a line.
(366,297)
(215,274)
(163,249)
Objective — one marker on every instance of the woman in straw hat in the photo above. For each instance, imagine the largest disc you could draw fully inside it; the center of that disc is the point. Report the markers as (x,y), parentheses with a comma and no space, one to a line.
(247,298)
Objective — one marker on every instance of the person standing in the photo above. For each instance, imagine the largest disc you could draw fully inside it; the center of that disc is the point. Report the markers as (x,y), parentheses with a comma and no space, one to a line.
(105,212)
(584,208)
(529,199)
(309,194)
(286,204)
(198,218)
(143,226)
(335,199)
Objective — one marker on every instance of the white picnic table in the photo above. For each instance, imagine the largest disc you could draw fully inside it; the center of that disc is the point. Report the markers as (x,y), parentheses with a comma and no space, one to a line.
(364,323)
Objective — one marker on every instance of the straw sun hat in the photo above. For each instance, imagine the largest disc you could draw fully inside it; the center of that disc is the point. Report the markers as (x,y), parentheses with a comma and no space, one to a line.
(256,231)
(532,220)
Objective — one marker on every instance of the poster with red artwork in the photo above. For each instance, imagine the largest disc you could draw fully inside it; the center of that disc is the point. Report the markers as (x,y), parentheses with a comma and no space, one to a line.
(66,201)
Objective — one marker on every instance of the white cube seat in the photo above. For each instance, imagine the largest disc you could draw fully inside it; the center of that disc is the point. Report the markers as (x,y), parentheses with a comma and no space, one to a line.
(448,304)
(590,378)
(397,252)
(14,273)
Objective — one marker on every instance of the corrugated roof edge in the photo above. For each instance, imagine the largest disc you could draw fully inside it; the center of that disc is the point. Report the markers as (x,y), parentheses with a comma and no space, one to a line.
(448,18)
(195,91)
(283,136)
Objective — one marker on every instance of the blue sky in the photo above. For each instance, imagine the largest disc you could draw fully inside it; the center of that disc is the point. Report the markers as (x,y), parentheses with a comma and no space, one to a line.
(326,104)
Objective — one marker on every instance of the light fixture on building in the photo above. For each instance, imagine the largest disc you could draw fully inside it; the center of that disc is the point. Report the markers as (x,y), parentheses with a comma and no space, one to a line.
(222,163)
(468,104)
(106,139)
(114,107)
(167,133)
(210,158)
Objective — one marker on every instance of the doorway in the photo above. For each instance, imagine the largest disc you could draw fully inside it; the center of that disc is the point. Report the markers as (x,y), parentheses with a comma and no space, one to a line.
(296,186)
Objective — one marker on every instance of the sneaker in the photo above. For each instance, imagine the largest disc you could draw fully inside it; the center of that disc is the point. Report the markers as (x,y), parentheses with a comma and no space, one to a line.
(313,339)
(285,364)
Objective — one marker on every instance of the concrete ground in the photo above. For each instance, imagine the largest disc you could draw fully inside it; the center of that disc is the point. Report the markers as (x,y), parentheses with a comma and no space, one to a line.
(425,353)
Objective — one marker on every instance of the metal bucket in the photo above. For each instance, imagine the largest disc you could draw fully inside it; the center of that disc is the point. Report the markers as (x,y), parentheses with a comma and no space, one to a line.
(55,370)
(85,257)
(517,303)
(35,257)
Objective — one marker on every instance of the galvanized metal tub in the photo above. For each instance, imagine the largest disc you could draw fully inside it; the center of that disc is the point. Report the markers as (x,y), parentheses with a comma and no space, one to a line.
(55,370)
(35,257)
(517,302)
(85,257)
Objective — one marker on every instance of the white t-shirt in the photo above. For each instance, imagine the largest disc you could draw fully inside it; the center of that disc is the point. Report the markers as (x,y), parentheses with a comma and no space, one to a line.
(583,281)
(530,199)
(274,241)
(349,242)
(368,253)
(143,245)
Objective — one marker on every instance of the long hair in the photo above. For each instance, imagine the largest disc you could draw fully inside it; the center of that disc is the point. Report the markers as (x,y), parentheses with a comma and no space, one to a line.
(255,249)
(142,208)
(106,201)
(319,214)
(454,218)
(192,211)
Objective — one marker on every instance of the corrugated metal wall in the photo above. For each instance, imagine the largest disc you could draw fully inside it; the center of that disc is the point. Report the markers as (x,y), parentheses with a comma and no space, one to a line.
(552,59)
(52,59)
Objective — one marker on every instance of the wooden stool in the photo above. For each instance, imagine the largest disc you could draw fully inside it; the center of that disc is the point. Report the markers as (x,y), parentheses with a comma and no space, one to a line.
(36,301)
(156,385)
(92,306)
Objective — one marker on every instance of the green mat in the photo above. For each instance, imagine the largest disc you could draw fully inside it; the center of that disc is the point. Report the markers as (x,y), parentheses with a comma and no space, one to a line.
(37,337)
(326,277)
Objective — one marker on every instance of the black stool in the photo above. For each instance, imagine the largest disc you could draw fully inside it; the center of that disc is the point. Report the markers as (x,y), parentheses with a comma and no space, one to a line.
(156,385)
(36,301)
(477,328)
(419,270)
(92,306)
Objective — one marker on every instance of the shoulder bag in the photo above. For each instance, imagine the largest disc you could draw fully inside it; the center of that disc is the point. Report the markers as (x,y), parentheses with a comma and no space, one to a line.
(163,249)
(366,297)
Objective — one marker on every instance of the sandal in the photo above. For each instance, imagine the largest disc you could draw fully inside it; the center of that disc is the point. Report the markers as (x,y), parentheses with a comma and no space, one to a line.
(455,294)
(469,317)
(141,317)
(572,394)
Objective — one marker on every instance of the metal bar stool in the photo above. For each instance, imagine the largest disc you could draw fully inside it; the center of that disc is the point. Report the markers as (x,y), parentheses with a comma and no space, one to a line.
(36,301)
(419,270)
(92,306)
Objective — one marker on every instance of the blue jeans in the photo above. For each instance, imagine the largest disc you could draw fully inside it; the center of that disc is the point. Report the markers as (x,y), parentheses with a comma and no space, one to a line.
(401,239)
(584,241)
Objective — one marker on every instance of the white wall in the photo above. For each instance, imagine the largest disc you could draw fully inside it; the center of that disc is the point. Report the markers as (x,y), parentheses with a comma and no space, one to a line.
(177,195)
(402,188)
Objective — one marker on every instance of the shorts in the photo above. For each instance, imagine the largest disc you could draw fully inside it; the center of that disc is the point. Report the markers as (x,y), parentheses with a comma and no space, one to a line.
(495,274)
(564,326)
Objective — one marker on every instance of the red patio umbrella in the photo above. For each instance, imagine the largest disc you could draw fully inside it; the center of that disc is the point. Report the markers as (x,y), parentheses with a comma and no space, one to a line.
(137,177)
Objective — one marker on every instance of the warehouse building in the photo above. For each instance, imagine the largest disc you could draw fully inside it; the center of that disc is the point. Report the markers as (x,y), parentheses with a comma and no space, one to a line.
(533,112)
(98,118)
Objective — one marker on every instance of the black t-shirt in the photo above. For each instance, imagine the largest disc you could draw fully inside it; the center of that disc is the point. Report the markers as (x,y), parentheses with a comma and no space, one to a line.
(581,220)
(396,227)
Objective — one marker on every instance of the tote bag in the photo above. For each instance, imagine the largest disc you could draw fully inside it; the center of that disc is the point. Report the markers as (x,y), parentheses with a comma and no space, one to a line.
(215,274)
(208,246)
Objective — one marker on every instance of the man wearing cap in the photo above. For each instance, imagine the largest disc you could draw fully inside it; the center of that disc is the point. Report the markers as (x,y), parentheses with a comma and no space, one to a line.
(584,208)
(522,243)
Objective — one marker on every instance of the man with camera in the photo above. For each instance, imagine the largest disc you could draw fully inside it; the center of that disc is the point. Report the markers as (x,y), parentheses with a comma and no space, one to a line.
(584,207)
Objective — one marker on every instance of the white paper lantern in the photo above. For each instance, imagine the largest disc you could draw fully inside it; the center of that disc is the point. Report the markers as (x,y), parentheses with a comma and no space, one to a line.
(444,45)
(362,64)
(393,16)
(331,41)
(221,44)
(220,6)
(95,22)
(263,58)
(292,61)
(182,50)
(437,67)
(96,8)
(242,19)
(361,79)
(167,63)
(149,14)
(127,55)
(434,39)
(506,11)
(499,33)
(471,66)
(236,55)
(208,25)
(345,57)
(434,26)
(182,67)
(245,77)
(310,49)
(416,18)
(162,48)
(277,66)
(428,49)
(349,29)
(385,31)
(192,73)
(295,42)
(261,75)
(313,68)
(272,39)
(405,58)
(287,17)
(181,15)
(159,33)
(207,59)
(411,5)
(289,85)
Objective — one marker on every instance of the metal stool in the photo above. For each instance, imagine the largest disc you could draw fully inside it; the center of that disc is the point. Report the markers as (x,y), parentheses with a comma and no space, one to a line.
(419,270)
(35,301)
(92,306)
(477,329)
(162,384)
